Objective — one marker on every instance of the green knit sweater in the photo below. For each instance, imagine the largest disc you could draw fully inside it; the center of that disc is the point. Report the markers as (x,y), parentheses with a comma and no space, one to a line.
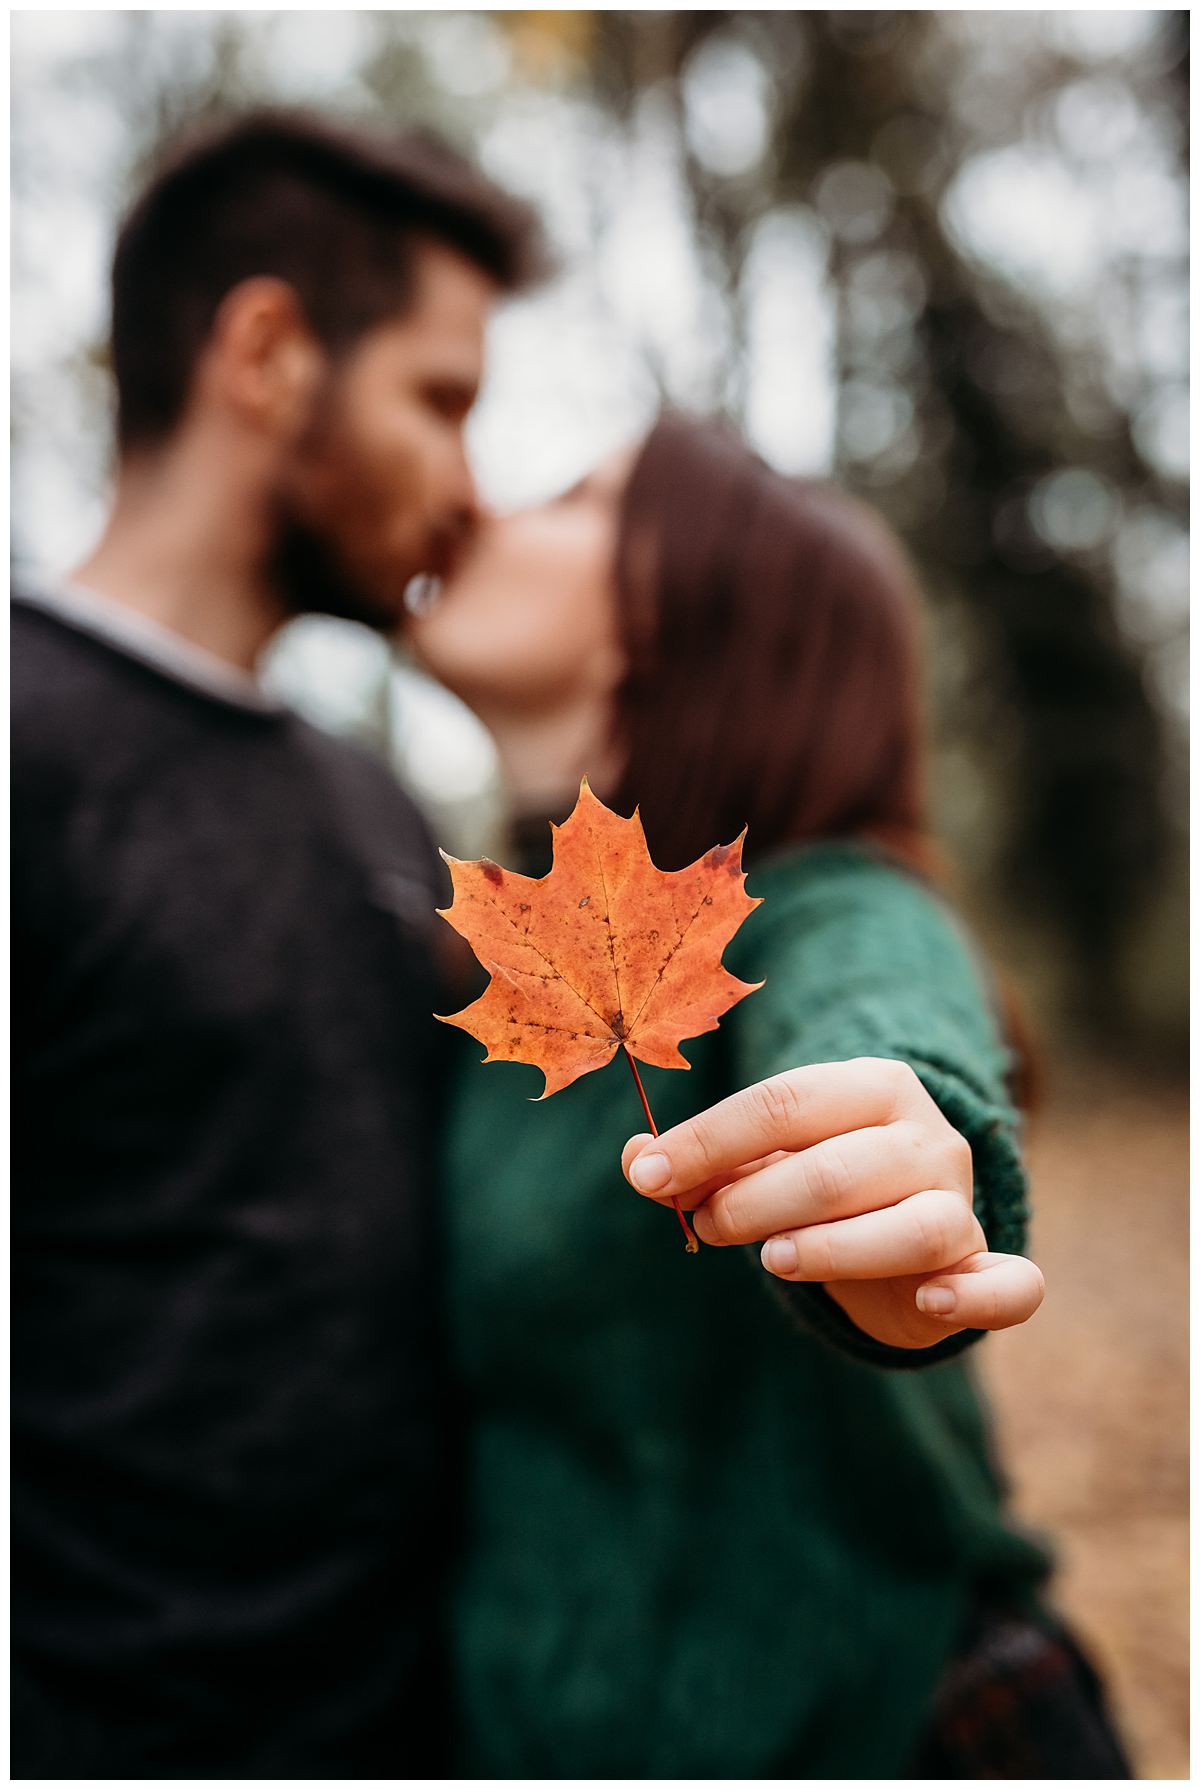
(713,1532)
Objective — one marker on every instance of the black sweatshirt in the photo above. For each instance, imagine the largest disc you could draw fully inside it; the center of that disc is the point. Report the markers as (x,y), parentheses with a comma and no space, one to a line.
(230,1509)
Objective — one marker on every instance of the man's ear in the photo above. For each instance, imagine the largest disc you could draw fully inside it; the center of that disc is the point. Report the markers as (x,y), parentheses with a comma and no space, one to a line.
(263,359)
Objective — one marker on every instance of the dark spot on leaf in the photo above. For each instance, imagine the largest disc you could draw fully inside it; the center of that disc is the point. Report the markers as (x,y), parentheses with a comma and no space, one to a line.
(617,1023)
(708,901)
(524,908)
(493,872)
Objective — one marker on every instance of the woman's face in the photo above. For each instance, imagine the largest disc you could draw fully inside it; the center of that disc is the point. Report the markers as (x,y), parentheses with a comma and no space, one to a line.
(527,621)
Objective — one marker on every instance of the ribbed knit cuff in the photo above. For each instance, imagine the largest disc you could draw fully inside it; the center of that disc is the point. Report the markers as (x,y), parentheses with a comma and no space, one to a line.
(1000,1200)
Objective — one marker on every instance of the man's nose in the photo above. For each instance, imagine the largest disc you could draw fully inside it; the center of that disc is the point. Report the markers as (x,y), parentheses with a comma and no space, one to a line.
(465,500)
(461,472)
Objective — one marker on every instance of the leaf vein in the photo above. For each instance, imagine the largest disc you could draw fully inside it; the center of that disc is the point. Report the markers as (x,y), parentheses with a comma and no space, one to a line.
(666,964)
(608,928)
(550,964)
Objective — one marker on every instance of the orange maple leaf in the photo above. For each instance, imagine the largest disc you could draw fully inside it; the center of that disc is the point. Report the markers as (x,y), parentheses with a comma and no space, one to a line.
(602,953)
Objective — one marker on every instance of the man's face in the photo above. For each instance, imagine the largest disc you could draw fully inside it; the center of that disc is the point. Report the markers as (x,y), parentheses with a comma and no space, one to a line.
(378,489)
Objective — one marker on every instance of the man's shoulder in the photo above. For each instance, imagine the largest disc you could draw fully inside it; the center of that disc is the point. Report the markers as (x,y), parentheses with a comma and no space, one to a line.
(56,676)
(44,649)
(57,666)
(84,695)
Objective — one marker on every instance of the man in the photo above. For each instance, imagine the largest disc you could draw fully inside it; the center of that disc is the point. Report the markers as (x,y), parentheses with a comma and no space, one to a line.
(230,1509)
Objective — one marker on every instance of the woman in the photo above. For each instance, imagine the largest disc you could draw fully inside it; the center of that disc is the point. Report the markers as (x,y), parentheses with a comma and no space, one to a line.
(715,1532)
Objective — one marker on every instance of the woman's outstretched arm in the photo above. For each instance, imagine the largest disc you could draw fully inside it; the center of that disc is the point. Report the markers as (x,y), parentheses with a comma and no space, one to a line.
(872,1148)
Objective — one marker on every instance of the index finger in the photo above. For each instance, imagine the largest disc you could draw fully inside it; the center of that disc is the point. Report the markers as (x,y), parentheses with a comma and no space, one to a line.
(790,1111)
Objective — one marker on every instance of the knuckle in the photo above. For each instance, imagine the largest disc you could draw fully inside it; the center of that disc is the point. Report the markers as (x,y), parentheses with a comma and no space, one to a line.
(827,1178)
(701,1151)
(904,1077)
(777,1103)
(931,1231)
(727,1214)
(916,1154)
(956,1161)
(966,1159)
(898,1079)
(815,1256)
(925,1239)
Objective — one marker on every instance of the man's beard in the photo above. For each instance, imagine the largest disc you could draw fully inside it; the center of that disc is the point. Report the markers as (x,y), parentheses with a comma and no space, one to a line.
(310,576)
(308,568)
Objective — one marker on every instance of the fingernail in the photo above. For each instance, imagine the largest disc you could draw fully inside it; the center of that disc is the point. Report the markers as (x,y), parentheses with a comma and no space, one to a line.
(651,1173)
(780,1256)
(939,1302)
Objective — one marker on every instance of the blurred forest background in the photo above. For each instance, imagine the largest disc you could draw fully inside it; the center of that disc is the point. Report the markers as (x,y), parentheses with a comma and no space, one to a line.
(944,256)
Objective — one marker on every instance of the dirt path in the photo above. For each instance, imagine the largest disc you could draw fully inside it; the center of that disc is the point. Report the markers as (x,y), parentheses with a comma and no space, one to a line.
(1091,1397)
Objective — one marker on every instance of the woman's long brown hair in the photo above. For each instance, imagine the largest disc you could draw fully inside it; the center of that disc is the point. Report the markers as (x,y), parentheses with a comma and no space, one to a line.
(771,627)
(773,639)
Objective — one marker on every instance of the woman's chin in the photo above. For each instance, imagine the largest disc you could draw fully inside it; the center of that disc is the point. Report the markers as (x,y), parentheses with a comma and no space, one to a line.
(423,641)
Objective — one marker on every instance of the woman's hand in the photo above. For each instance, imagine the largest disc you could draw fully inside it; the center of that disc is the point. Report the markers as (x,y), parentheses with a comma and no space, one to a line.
(848,1174)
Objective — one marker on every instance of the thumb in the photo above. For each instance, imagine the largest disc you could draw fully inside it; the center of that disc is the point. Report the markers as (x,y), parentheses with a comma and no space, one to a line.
(983,1292)
(634,1148)
(700,1192)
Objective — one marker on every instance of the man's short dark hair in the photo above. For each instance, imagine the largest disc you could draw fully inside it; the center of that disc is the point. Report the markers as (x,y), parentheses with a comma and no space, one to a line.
(337,213)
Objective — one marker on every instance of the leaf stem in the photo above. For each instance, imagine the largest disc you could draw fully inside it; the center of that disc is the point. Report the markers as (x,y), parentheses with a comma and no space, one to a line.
(692,1244)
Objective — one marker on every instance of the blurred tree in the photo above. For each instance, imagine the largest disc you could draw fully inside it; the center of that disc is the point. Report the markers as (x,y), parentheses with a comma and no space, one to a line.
(1002,413)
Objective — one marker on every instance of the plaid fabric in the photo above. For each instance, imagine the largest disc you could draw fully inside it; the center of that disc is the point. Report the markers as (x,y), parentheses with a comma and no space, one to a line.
(1020,1700)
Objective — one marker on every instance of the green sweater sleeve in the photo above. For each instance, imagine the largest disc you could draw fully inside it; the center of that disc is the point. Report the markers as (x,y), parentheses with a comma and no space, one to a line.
(861,959)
